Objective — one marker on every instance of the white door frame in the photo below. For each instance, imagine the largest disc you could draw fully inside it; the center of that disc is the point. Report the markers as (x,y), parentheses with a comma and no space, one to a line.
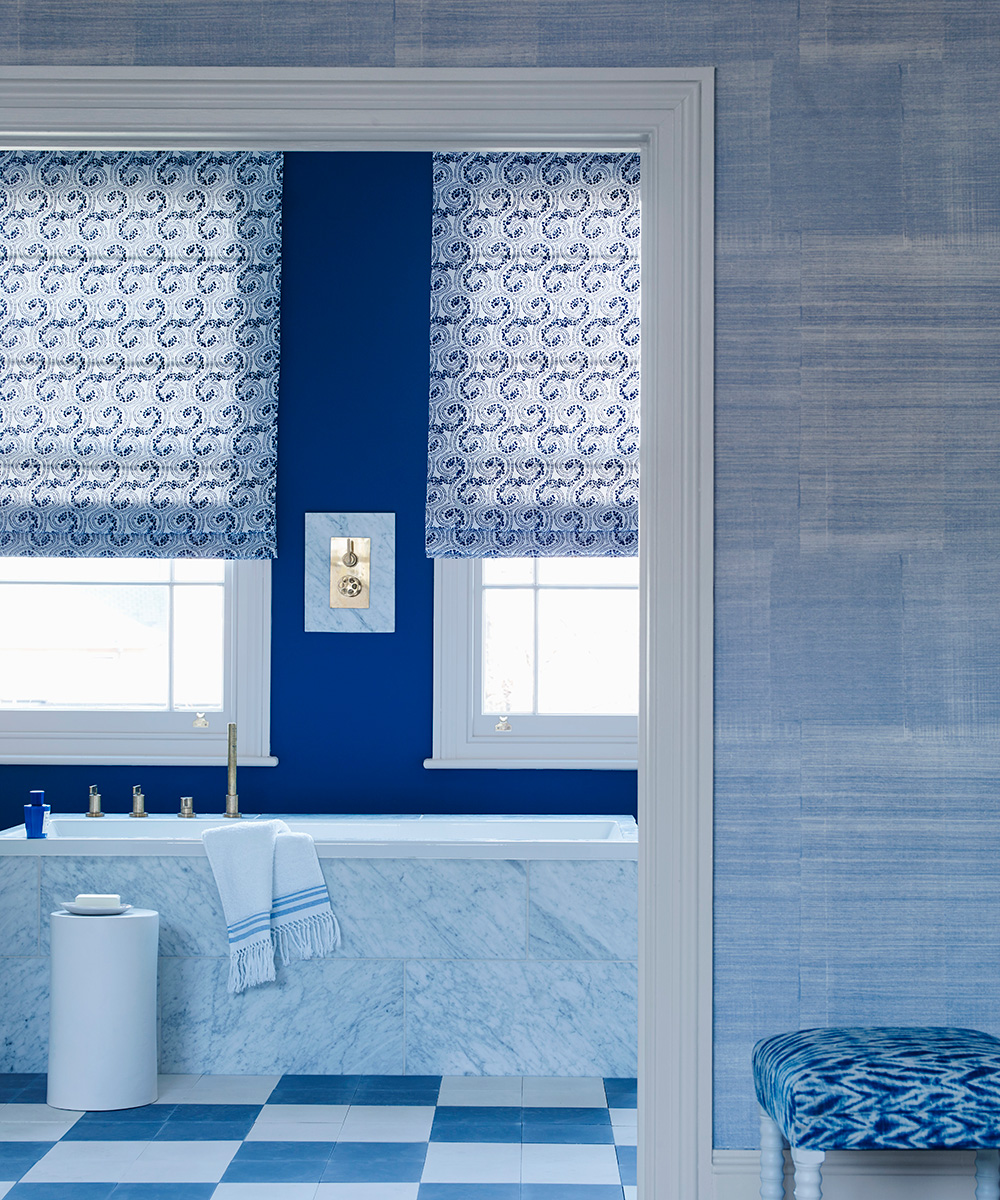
(668,114)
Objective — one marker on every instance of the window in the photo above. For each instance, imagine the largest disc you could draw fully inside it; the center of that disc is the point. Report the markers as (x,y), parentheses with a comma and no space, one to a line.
(136,660)
(536,662)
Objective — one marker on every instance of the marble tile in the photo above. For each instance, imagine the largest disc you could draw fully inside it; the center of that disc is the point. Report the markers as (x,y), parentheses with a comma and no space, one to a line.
(19,904)
(428,908)
(181,889)
(477,1091)
(324,1016)
(530,1018)
(187,1162)
(24,1002)
(583,909)
(230,1089)
(380,616)
(563,1093)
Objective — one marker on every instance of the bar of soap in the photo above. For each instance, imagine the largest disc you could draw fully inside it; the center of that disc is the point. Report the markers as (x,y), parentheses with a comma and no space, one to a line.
(97,900)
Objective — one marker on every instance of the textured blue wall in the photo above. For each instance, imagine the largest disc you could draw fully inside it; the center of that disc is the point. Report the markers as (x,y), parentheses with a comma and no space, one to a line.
(858,246)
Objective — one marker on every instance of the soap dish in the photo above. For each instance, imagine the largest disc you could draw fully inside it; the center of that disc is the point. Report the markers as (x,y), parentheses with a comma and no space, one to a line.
(85,910)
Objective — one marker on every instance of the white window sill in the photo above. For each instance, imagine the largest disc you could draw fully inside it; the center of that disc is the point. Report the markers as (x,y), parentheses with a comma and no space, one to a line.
(529,764)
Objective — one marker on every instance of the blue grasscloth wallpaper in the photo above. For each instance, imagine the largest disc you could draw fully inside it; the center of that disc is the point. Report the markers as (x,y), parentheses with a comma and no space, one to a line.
(858,506)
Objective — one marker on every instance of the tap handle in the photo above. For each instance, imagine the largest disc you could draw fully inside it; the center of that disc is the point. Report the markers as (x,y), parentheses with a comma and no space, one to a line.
(138,802)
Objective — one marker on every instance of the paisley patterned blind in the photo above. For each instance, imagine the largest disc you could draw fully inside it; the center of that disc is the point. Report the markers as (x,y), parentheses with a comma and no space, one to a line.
(138,353)
(534,403)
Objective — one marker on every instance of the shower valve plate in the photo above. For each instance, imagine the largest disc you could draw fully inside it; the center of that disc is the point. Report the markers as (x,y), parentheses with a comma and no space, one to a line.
(350,572)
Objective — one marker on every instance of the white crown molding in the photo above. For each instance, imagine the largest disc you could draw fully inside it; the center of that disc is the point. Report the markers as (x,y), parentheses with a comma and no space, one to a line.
(668,115)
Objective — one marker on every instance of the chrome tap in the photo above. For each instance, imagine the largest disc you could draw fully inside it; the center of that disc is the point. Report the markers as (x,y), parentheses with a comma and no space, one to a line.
(187,806)
(232,800)
(138,803)
(94,799)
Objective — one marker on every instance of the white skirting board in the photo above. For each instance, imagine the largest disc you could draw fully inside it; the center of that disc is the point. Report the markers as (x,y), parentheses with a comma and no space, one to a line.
(858,1175)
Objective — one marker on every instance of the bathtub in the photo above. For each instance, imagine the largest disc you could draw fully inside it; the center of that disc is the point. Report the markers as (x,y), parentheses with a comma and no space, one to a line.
(543,837)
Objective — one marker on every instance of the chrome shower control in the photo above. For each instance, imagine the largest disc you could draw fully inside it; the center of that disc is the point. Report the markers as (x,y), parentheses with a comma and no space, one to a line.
(350,586)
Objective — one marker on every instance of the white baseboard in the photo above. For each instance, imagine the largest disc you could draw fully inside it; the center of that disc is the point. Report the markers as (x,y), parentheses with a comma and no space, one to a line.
(859,1175)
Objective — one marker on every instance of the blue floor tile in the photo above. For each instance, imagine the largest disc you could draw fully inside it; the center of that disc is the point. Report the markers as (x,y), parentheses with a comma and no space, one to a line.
(215,1112)
(120,1125)
(13,1083)
(476,1124)
(621,1093)
(315,1089)
(376,1162)
(566,1116)
(571,1191)
(163,1191)
(626,1164)
(60,1191)
(570,1135)
(203,1131)
(272,1170)
(264,1151)
(469,1191)
(18,1157)
(398,1089)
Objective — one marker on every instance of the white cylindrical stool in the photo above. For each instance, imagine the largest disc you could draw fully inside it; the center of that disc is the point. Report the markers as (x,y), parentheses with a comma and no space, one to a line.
(102,1010)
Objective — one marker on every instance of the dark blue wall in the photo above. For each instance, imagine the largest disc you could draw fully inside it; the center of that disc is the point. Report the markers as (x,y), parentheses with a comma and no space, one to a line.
(350,713)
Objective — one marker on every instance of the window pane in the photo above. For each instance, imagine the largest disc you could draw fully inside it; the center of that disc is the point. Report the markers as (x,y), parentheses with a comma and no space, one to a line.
(588,652)
(83,646)
(508,570)
(86,570)
(508,651)
(589,572)
(199,570)
(199,624)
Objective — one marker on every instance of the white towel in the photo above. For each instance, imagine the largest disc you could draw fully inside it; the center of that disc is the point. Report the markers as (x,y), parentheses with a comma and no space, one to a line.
(242,860)
(273,894)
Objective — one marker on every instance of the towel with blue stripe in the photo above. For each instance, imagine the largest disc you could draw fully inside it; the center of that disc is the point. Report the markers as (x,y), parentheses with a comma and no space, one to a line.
(274,898)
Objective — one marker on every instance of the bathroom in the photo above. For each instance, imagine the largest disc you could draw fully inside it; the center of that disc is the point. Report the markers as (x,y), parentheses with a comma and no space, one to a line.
(351,715)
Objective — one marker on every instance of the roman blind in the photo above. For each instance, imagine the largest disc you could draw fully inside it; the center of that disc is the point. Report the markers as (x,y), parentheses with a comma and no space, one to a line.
(534,394)
(139,296)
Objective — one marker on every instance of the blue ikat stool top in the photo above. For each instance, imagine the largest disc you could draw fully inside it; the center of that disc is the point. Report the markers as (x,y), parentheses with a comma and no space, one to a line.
(880,1088)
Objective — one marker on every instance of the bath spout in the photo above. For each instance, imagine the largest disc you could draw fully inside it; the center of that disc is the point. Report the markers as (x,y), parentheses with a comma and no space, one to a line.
(232,799)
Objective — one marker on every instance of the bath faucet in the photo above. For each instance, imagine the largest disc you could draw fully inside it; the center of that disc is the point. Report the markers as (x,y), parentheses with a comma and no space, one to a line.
(138,803)
(232,800)
(94,799)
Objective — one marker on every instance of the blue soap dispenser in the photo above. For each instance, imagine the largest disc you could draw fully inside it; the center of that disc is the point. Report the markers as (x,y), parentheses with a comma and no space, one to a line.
(36,816)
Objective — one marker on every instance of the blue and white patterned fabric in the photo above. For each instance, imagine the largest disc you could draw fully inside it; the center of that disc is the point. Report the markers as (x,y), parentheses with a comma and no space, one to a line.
(139,352)
(534,405)
(891,1088)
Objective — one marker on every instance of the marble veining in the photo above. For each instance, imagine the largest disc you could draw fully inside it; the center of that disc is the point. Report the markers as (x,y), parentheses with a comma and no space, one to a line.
(24,1003)
(325,1016)
(181,889)
(19,906)
(428,908)
(380,616)
(530,1018)
(583,909)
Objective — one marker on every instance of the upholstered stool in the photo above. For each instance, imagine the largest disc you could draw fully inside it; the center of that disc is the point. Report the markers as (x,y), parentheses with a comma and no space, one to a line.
(882,1088)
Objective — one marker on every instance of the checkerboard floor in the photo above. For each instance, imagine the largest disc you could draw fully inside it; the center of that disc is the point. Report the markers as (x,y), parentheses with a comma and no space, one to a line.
(327,1137)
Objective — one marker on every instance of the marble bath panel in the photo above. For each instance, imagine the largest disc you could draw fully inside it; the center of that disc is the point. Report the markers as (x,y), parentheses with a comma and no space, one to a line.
(24,1014)
(322,1017)
(531,1018)
(19,905)
(182,890)
(428,908)
(583,909)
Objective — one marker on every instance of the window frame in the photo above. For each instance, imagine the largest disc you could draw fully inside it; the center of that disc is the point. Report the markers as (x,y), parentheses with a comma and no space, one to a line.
(109,737)
(535,742)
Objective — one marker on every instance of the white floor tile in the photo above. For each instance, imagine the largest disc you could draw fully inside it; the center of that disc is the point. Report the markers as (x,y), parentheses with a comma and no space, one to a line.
(303,1131)
(367,1191)
(181,1162)
(265,1191)
(625,1135)
(295,1113)
(631,1193)
(476,1090)
(230,1089)
(387,1123)
(5,1188)
(33,1131)
(563,1093)
(39,1112)
(619,1116)
(569,1164)
(473,1162)
(85,1162)
(169,1088)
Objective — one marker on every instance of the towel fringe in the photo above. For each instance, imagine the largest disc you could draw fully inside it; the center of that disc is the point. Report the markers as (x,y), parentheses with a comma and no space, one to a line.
(251,965)
(307,937)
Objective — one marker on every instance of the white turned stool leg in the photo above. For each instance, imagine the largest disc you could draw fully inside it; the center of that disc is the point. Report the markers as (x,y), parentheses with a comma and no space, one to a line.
(808,1176)
(988,1175)
(772,1160)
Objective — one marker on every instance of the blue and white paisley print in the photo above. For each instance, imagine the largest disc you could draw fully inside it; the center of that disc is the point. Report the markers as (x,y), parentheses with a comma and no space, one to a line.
(139,299)
(534,401)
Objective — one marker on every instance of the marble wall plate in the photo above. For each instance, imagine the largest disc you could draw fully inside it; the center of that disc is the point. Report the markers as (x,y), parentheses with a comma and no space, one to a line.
(380,616)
